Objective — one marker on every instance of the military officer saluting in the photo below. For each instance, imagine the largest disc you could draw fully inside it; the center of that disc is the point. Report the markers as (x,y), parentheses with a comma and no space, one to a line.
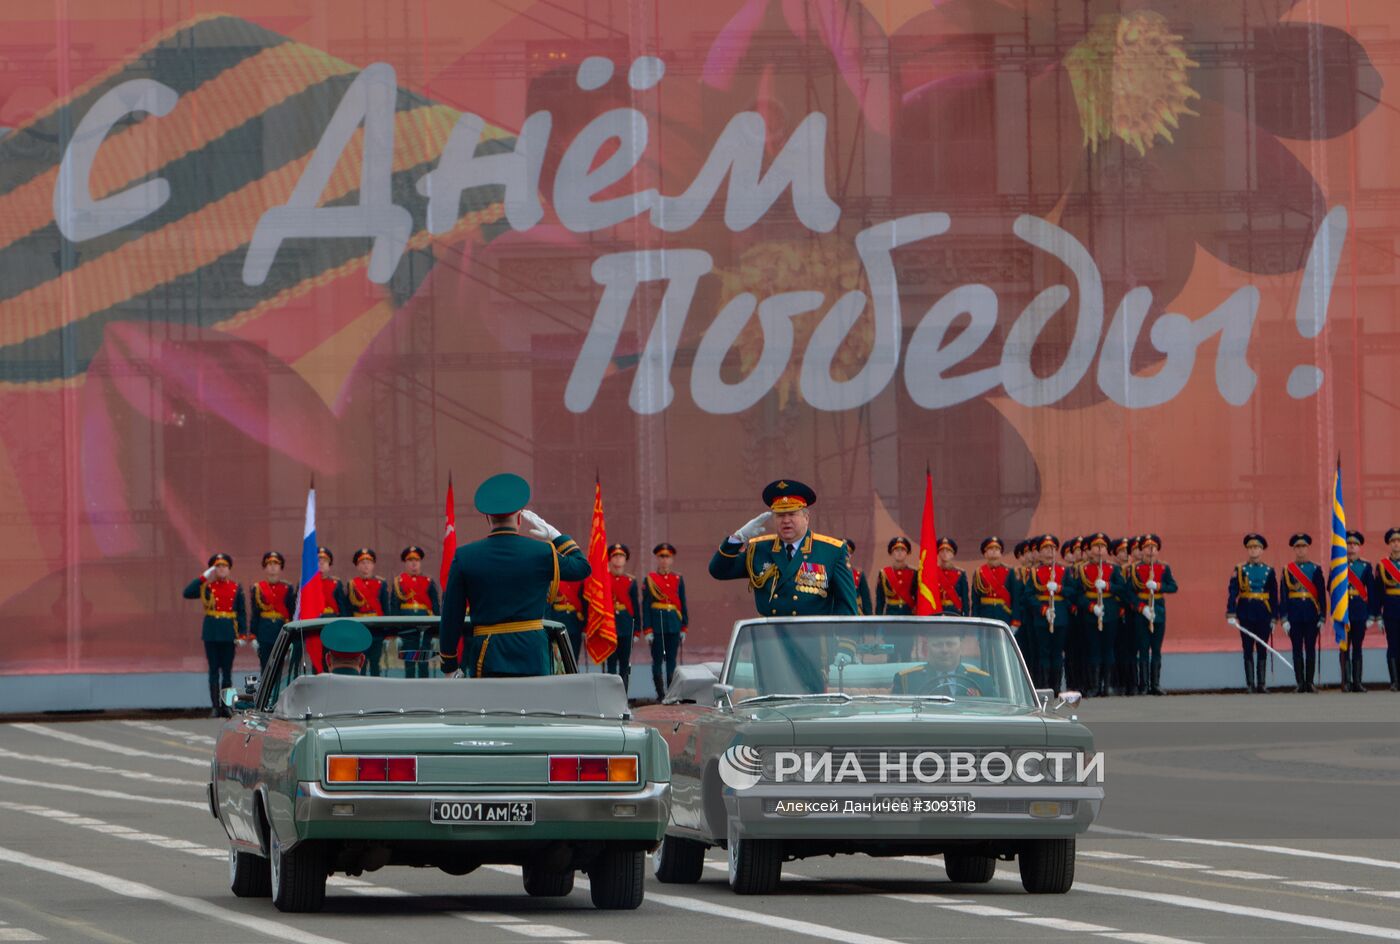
(509,580)
(665,616)
(274,602)
(863,603)
(627,606)
(1385,605)
(1360,577)
(896,597)
(1252,604)
(414,593)
(952,582)
(991,593)
(225,622)
(1148,581)
(369,596)
(1304,601)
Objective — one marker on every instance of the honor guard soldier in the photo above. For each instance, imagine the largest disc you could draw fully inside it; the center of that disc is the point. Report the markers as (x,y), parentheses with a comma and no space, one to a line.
(369,596)
(343,646)
(1252,604)
(1125,645)
(567,606)
(225,622)
(1048,599)
(627,606)
(332,590)
(991,593)
(1360,578)
(1144,596)
(414,593)
(274,602)
(863,604)
(1385,605)
(509,580)
(1020,612)
(1304,596)
(1077,635)
(896,596)
(1102,585)
(665,616)
(952,582)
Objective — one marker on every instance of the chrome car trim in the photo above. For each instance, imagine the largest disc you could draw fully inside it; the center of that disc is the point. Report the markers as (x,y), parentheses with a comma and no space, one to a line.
(653,802)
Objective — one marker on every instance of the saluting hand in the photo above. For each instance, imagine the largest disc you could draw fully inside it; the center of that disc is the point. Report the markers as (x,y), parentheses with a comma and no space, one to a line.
(208,574)
(539,528)
(752,529)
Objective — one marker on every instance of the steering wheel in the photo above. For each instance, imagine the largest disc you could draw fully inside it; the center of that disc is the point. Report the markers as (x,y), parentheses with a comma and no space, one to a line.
(950,683)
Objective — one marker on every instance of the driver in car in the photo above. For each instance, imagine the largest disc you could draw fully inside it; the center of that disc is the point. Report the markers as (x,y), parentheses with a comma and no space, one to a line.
(344,644)
(945,672)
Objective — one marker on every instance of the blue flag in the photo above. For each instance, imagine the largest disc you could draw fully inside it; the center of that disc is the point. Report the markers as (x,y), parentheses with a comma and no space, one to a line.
(1337,577)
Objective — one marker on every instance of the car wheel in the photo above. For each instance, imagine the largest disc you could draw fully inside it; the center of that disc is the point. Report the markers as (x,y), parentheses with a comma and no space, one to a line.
(1047,866)
(298,876)
(969,869)
(678,861)
(248,874)
(615,879)
(543,883)
(755,865)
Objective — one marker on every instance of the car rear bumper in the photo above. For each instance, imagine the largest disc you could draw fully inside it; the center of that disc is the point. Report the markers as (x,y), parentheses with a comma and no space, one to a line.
(616,815)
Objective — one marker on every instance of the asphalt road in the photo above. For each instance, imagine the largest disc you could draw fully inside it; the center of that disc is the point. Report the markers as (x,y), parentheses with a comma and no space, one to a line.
(105,837)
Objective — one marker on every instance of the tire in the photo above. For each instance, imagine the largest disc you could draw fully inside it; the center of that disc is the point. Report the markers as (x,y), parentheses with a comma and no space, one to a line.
(248,875)
(542,883)
(615,879)
(755,865)
(969,869)
(298,876)
(1047,866)
(678,861)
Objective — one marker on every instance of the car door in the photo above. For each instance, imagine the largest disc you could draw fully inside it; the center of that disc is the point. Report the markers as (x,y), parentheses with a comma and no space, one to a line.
(240,748)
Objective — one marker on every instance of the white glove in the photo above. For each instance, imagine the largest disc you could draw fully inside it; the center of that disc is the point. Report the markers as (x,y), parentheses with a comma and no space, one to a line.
(1052,586)
(1287,626)
(240,642)
(1233,622)
(256,647)
(753,529)
(1100,585)
(539,528)
(1098,609)
(458,674)
(843,658)
(1150,614)
(208,573)
(647,636)
(1373,622)
(1152,585)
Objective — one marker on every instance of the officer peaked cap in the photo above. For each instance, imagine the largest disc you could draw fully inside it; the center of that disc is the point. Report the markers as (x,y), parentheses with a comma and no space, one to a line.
(345,635)
(221,559)
(1302,537)
(363,553)
(787,495)
(664,549)
(619,549)
(1356,536)
(274,556)
(412,551)
(326,553)
(898,542)
(989,541)
(1253,536)
(502,494)
(1392,534)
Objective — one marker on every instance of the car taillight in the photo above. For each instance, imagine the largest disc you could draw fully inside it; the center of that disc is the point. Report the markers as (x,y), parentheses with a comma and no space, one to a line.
(613,769)
(341,768)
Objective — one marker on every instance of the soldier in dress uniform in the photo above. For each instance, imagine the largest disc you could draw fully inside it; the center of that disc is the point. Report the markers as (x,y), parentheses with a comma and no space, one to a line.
(1077,635)
(1048,596)
(896,596)
(509,580)
(1304,599)
(332,590)
(414,593)
(1144,596)
(568,606)
(1020,612)
(1360,577)
(369,596)
(991,593)
(1385,605)
(1252,604)
(665,616)
(952,582)
(627,606)
(863,603)
(274,602)
(1101,583)
(1125,645)
(225,621)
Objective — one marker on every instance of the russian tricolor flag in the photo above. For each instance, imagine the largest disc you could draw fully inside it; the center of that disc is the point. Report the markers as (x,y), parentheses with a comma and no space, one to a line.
(310,601)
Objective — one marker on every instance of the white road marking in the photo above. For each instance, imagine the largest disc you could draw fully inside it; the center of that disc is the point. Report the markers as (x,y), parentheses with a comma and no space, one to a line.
(98,768)
(1174,864)
(1255,847)
(105,746)
(1062,924)
(20,934)
(486,917)
(1137,937)
(378,891)
(181,733)
(543,930)
(106,794)
(1379,894)
(984,911)
(761,919)
(1321,886)
(1244,874)
(129,889)
(924,898)
(97,825)
(1096,854)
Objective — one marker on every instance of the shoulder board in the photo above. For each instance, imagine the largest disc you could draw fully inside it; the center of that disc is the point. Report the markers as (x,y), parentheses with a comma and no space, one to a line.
(910,671)
(973,670)
(761,538)
(827,539)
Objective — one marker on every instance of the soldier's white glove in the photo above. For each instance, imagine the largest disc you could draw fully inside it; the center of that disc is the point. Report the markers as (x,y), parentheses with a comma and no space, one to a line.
(255,645)
(459,674)
(539,528)
(647,635)
(1098,609)
(1052,586)
(1233,622)
(752,529)
(843,658)
(1152,585)
(1151,615)
(1373,622)
(208,573)
(1101,585)
(1287,626)
(240,642)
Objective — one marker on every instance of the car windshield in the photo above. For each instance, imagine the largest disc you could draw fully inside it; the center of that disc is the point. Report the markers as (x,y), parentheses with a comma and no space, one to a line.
(934,659)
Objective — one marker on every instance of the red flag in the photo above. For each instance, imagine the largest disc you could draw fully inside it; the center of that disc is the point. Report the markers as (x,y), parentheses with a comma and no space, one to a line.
(449,538)
(930,599)
(600,635)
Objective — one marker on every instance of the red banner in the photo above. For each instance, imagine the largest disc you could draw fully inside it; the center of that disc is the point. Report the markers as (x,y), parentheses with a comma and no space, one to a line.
(449,538)
(930,589)
(600,635)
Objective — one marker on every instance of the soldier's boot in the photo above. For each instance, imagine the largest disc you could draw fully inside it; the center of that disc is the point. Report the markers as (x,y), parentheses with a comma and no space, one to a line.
(1393,665)
(216,708)
(1310,672)
(1248,673)
(1358,670)
(1261,664)
(1105,687)
(1142,676)
(1156,688)
(1091,681)
(1298,686)
(1344,660)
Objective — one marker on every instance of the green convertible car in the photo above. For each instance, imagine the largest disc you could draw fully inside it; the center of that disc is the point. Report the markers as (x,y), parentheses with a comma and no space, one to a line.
(889,736)
(319,772)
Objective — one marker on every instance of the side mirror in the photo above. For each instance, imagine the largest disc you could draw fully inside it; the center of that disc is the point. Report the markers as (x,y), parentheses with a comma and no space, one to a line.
(231,699)
(722,695)
(250,685)
(1070,698)
(1043,695)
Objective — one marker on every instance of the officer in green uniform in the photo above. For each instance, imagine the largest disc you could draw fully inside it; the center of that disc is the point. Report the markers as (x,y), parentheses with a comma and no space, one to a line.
(945,672)
(665,616)
(509,580)
(343,645)
(225,621)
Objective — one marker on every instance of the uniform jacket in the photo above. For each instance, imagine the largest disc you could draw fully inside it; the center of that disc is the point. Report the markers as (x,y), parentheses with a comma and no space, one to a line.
(817,581)
(1360,580)
(862,593)
(1385,590)
(992,593)
(953,584)
(225,618)
(274,603)
(896,591)
(1253,594)
(627,604)
(1087,574)
(1304,597)
(1136,596)
(368,596)
(1036,597)
(664,608)
(414,595)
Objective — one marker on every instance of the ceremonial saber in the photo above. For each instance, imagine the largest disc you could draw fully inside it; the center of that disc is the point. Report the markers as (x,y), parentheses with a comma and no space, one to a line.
(1265,645)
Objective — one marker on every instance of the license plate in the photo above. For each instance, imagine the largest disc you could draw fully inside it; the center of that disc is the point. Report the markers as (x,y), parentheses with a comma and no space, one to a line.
(958,805)
(466,812)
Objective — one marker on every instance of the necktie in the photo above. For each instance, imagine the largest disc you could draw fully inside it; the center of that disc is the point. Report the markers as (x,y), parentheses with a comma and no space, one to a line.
(790,551)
